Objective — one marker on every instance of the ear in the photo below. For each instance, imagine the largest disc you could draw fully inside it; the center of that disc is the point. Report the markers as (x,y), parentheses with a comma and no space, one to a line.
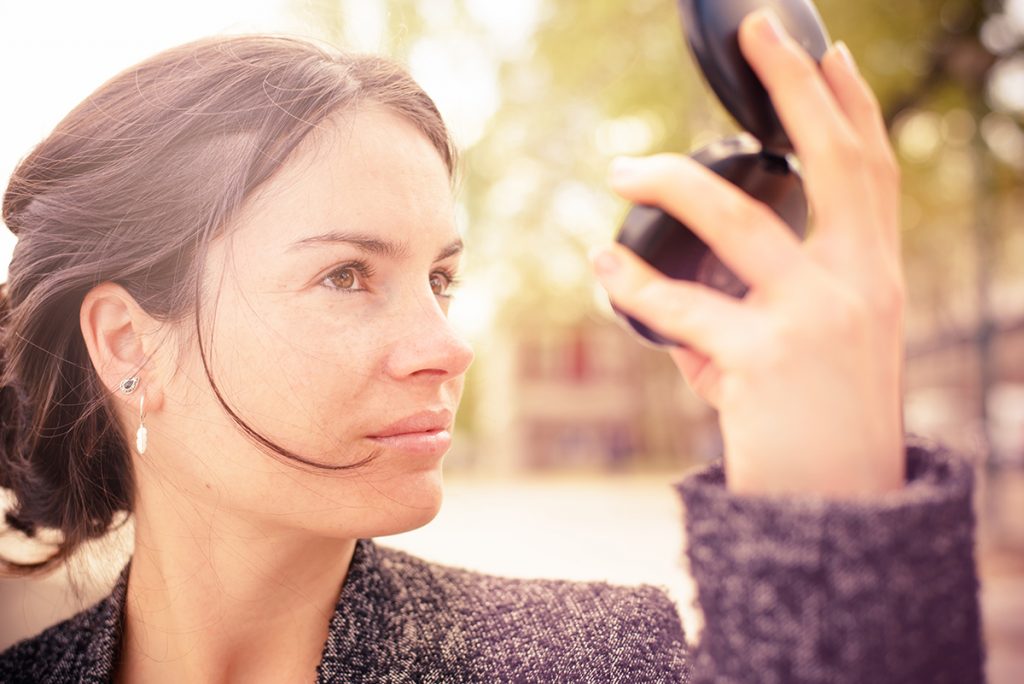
(119,337)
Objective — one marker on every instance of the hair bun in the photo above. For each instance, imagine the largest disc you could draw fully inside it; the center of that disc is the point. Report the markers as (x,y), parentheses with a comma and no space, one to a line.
(15,523)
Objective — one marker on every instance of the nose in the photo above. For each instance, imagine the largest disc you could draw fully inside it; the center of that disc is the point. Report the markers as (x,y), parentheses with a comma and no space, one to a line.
(427,346)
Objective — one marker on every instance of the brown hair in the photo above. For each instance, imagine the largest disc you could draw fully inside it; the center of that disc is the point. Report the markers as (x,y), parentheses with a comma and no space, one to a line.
(131,187)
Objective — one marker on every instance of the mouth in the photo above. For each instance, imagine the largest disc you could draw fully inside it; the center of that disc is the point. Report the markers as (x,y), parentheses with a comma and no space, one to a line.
(429,443)
(427,433)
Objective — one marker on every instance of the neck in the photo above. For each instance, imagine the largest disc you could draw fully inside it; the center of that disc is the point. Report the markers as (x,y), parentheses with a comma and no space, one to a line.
(214,598)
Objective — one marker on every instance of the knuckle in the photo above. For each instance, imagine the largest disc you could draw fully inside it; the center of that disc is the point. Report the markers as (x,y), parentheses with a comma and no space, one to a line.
(666,306)
(838,315)
(664,173)
(742,214)
(803,68)
(838,311)
(758,213)
(884,165)
(891,168)
(848,150)
(849,317)
(657,295)
(882,305)
(871,105)
(780,341)
(666,165)
(889,301)
(733,213)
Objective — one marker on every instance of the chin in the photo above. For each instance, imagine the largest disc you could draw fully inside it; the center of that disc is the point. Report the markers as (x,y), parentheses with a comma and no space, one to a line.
(410,505)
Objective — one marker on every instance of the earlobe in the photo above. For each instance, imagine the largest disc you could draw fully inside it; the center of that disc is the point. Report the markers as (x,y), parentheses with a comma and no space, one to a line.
(114,329)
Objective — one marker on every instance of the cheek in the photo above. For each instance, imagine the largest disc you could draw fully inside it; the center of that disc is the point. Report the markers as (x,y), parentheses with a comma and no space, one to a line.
(298,372)
(310,384)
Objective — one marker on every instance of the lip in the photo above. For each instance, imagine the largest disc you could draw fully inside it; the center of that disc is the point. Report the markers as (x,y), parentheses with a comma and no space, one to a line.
(424,421)
(433,443)
(426,432)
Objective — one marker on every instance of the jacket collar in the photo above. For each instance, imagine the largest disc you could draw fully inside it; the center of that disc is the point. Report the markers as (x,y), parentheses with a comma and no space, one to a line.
(349,633)
(104,646)
(362,636)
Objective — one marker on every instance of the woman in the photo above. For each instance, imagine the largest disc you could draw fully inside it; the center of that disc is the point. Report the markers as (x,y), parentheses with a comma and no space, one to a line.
(226,314)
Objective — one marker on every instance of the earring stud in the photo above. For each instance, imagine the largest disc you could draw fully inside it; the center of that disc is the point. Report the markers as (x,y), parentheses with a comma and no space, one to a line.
(128,385)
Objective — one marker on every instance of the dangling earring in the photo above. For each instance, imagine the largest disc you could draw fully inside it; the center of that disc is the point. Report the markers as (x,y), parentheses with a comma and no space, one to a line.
(141,434)
(127,386)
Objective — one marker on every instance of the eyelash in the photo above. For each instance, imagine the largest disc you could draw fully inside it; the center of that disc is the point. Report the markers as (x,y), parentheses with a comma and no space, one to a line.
(362,268)
(452,282)
(365,272)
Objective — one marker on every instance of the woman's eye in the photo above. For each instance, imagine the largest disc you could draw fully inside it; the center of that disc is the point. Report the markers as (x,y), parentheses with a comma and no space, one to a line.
(441,282)
(354,278)
(348,278)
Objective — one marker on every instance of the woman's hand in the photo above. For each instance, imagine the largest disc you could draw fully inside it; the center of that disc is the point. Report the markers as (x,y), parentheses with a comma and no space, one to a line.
(806,370)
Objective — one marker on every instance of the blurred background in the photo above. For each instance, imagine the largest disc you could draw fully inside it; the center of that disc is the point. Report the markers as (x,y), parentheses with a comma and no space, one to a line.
(570,432)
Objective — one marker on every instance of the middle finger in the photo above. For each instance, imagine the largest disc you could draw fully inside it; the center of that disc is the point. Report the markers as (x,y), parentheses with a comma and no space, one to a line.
(825,141)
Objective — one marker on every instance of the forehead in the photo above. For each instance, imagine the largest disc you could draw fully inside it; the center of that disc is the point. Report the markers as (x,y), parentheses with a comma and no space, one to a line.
(368,170)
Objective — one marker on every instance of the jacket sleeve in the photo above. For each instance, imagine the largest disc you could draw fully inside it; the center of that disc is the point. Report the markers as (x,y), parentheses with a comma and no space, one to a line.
(799,589)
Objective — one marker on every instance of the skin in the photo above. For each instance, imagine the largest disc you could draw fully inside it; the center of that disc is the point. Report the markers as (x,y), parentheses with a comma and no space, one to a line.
(805,371)
(239,557)
(262,544)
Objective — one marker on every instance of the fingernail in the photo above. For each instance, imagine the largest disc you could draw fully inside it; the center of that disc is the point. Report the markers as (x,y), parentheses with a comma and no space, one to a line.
(623,168)
(768,26)
(606,262)
(844,51)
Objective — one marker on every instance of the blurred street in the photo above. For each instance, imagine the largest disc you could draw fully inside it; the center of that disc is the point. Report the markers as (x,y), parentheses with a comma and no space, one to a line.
(1001,566)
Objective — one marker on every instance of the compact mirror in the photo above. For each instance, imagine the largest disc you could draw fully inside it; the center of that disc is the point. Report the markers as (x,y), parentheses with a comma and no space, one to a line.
(759,165)
(676,251)
(712,29)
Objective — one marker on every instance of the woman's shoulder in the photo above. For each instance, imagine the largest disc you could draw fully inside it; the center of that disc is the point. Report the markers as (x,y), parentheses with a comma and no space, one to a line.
(471,592)
(66,651)
(489,626)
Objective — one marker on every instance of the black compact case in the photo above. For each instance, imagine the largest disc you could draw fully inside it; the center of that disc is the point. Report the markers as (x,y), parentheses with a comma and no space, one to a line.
(759,163)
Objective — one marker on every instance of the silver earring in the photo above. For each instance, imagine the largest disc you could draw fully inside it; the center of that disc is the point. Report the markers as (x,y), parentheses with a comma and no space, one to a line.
(141,434)
(128,385)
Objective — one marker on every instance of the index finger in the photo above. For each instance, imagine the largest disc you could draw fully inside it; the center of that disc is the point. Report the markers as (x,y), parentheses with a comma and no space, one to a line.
(744,233)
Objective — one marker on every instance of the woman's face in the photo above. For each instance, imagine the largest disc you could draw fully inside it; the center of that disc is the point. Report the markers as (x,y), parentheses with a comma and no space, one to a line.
(325,324)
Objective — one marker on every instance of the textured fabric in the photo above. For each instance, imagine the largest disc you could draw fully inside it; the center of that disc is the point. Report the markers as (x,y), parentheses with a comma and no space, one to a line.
(792,590)
(804,590)
(80,649)
(401,619)
(404,620)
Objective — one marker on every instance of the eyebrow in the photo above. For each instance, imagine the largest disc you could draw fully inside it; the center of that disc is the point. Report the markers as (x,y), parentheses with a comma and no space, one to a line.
(373,245)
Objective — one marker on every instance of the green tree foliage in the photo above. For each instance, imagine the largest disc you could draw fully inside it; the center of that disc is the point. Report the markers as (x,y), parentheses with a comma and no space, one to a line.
(605,77)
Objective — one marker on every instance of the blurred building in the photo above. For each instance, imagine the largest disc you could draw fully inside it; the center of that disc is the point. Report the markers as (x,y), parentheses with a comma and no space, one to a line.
(586,395)
(965,385)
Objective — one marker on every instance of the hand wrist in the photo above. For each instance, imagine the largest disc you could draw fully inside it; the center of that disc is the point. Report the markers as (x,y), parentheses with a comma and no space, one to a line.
(852,474)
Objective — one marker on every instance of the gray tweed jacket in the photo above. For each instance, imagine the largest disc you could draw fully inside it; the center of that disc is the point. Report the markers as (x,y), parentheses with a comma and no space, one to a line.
(792,590)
